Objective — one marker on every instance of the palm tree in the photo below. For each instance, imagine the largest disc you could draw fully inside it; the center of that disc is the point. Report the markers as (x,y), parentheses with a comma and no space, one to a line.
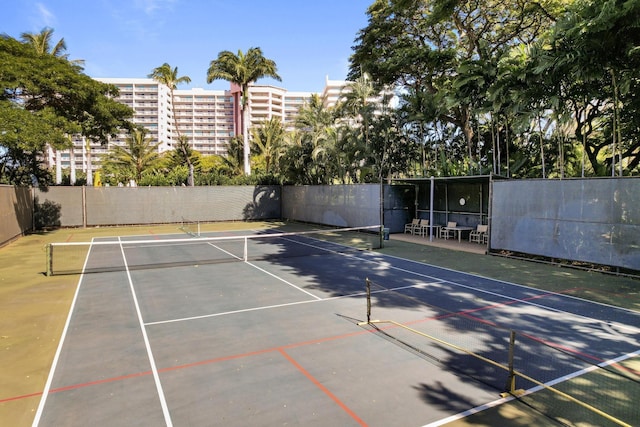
(41,43)
(243,69)
(137,156)
(268,139)
(358,101)
(168,76)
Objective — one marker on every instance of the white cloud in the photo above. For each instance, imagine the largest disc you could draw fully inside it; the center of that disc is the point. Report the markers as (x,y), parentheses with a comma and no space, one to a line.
(45,16)
(151,6)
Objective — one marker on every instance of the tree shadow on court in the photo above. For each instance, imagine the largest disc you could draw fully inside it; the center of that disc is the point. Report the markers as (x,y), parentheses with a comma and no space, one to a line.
(476,315)
(443,397)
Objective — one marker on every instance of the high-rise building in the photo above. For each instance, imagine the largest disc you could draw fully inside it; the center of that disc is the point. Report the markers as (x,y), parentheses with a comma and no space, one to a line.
(208,118)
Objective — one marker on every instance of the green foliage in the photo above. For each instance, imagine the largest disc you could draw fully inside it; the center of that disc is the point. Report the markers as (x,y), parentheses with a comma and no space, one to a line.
(243,69)
(131,162)
(499,72)
(268,140)
(175,177)
(45,97)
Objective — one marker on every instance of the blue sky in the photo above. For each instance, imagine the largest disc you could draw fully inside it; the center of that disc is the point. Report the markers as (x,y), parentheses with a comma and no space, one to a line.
(308,39)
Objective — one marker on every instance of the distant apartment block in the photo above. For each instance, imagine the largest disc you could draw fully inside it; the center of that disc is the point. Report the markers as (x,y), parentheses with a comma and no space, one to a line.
(208,118)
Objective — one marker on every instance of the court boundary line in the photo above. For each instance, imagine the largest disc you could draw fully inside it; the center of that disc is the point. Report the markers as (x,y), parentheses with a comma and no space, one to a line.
(513,284)
(434,279)
(145,337)
(269,231)
(63,336)
(560,295)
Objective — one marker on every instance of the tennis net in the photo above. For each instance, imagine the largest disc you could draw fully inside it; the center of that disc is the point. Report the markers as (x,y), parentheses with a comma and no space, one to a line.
(117,254)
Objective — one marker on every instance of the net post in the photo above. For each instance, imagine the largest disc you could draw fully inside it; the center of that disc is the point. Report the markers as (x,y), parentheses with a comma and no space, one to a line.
(368,300)
(246,251)
(510,387)
(49,248)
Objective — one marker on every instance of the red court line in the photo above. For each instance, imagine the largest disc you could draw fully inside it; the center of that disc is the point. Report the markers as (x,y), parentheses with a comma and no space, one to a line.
(190,365)
(24,396)
(323,388)
(279,349)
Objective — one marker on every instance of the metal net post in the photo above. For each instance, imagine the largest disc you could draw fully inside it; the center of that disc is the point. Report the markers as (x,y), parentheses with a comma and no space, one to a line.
(49,260)
(510,387)
(368,300)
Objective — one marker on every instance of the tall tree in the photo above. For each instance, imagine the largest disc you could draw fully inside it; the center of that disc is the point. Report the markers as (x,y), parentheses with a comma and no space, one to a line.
(445,49)
(359,102)
(168,76)
(41,43)
(54,99)
(243,69)
(268,140)
(131,161)
(592,60)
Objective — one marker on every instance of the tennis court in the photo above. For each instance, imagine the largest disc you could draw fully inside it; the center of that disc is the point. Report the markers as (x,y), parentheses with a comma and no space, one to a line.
(203,332)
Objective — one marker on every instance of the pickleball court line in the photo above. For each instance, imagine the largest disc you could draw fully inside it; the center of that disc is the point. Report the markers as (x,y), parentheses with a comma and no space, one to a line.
(293,345)
(367,260)
(324,389)
(259,352)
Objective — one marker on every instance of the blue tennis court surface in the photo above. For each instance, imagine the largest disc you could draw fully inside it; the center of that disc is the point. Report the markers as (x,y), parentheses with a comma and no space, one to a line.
(279,340)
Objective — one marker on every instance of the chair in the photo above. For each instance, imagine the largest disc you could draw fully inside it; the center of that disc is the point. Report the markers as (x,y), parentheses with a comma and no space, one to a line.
(411,227)
(479,234)
(423,227)
(445,232)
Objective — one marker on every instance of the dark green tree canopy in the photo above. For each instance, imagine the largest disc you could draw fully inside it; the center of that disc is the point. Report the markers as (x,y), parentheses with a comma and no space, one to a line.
(43,99)
(500,75)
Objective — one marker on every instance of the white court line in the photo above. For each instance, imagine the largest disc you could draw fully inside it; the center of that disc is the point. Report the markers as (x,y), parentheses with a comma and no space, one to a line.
(247,310)
(497,402)
(507,297)
(285,281)
(265,271)
(434,279)
(154,370)
(54,364)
